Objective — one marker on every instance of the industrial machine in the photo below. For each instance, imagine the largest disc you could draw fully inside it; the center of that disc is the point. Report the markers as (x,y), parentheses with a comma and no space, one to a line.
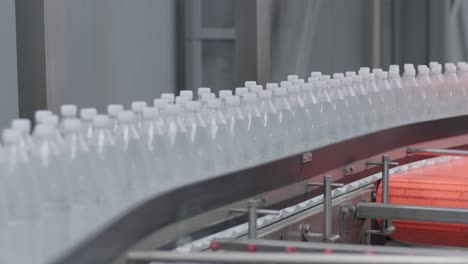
(325,205)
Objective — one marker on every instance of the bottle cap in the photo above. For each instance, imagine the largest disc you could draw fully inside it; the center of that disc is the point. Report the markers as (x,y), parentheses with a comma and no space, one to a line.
(312,79)
(376,71)
(364,70)
(265,94)
(247,84)
(255,88)
(88,113)
(241,90)
(68,110)
(11,136)
(423,69)
(159,103)
(187,93)
(285,84)
(324,78)
(271,86)
(101,121)
(224,93)
(169,97)
(350,73)
(203,90)
(436,68)
(40,114)
(21,124)
(72,125)
(125,116)
(450,67)
(315,74)
(114,109)
(394,68)
(181,100)
(150,112)
(292,77)
(207,96)
(193,105)
(298,82)
(433,63)
(338,76)
(233,100)
(138,106)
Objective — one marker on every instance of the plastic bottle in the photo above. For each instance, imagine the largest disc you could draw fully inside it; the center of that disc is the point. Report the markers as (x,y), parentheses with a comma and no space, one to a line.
(160,104)
(223,94)
(19,194)
(285,121)
(255,89)
(53,121)
(87,115)
(367,117)
(137,108)
(67,112)
(300,118)
(341,118)
(326,113)
(270,125)
(379,110)
(130,145)
(285,84)
(24,126)
(203,90)
(313,110)
(426,92)
(353,106)
(83,186)
(112,111)
(454,88)
(438,82)
(54,191)
(387,93)
(411,87)
(401,97)
(109,173)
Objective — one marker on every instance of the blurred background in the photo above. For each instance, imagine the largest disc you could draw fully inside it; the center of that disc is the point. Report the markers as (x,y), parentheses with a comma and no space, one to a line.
(97,52)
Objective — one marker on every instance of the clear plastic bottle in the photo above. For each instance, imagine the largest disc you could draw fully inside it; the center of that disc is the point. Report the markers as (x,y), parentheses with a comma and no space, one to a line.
(160,104)
(236,129)
(352,104)
(285,84)
(377,100)
(463,77)
(109,172)
(454,88)
(67,112)
(341,119)
(426,92)
(438,82)
(368,118)
(239,91)
(385,89)
(270,125)
(83,186)
(223,94)
(150,138)
(411,87)
(112,111)
(53,121)
(24,126)
(19,194)
(54,191)
(401,98)
(300,118)
(313,110)
(130,145)
(285,121)
(87,115)
(137,108)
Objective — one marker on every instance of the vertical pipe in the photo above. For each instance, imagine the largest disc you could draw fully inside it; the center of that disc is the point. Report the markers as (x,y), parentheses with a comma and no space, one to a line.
(252,214)
(385,176)
(327,208)
(376,33)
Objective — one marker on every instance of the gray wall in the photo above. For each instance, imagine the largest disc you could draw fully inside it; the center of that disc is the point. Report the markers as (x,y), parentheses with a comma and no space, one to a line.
(109,51)
(8,77)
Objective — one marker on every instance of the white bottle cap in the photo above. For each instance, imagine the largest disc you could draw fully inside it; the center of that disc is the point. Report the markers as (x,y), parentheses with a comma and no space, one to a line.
(114,109)
(172,108)
(450,67)
(271,86)
(281,91)
(169,97)
(72,125)
(285,84)
(364,70)
(52,120)
(150,112)
(241,90)
(298,82)
(247,84)
(325,78)
(88,113)
(224,93)
(382,75)
(394,68)
(233,100)
(68,110)
(40,114)
(338,76)
(203,90)
(187,93)
(315,74)
(350,73)
(193,106)
(334,83)
(181,100)
(255,88)
(433,63)
(125,116)
(101,121)
(21,124)
(265,94)
(293,89)
(44,131)
(249,97)
(408,66)
(292,77)
(460,63)
(436,68)
(207,96)
(138,106)
(376,70)
(159,103)
(423,69)
(11,136)
(312,79)
(214,103)
(464,68)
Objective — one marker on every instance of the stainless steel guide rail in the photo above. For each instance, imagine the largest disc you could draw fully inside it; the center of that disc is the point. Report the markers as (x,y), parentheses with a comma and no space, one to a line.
(186,202)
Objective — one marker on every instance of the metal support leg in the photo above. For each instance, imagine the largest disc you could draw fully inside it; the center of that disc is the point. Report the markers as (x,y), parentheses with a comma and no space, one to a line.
(252,213)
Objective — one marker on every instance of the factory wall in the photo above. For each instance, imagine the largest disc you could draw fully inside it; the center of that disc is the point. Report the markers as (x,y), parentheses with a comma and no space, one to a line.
(8,77)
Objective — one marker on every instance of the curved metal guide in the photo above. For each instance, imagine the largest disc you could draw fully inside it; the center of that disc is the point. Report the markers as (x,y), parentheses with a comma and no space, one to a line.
(191,200)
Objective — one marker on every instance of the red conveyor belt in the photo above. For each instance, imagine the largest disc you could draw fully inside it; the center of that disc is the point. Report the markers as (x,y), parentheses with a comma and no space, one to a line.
(439,185)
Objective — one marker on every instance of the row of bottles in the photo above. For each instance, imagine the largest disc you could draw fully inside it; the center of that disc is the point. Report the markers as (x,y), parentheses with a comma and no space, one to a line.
(75,173)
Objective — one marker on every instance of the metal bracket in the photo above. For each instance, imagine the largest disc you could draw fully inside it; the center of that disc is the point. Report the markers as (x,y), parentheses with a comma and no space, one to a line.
(306,157)
(253,211)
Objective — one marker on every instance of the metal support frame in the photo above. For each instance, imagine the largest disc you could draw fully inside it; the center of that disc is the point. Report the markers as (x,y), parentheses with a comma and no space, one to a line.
(411,212)
(306,258)
(252,213)
(327,235)
(437,152)
(386,224)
